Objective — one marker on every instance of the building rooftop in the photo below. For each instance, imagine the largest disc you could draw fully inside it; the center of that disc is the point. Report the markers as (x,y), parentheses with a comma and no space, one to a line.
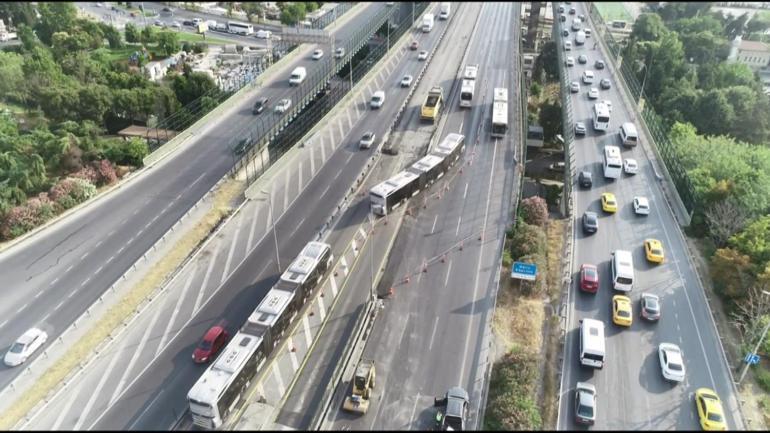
(754,46)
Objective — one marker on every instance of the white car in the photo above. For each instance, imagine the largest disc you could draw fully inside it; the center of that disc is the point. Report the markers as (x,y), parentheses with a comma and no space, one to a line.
(318,54)
(593,93)
(567,45)
(570,61)
(339,53)
(423,55)
(574,87)
(406,81)
(282,105)
(671,362)
(630,166)
(25,346)
(367,140)
(641,205)
(588,77)
(263,34)
(176,25)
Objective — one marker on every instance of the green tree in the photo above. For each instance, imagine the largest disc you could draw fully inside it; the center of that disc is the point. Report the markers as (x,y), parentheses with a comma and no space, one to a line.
(15,13)
(190,86)
(759,23)
(112,35)
(737,26)
(168,43)
(714,112)
(12,85)
(548,62)
(754,240)
(252,9)
(27,37)
(648,27)
(550,119)
(148,35)
(94,101)
(673,11)
(292,13)
(55,17)
(731,272)
(133,35)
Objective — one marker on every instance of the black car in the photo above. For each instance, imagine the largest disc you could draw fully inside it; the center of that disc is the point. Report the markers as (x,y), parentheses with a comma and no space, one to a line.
(590,222)
(561,9)
(562,18)
(605,83)
(188,23)
(572,11)
(456,405)
(565,33)
(259,105)
(599,64)
(585,179)
(241,147)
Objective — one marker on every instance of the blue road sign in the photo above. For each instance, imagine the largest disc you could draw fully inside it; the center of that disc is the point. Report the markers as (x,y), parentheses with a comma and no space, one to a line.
(751,359)
(524,271)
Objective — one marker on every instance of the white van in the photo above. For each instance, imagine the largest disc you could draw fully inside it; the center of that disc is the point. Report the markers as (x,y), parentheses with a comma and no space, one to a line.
(622,270)
(580,38)
(576,24)
(592,350)
(297,76)
(628,134)
(378,98)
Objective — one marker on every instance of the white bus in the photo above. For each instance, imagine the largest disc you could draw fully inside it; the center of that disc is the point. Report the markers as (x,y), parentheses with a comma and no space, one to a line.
(500,112)
(612,161)
(622,267)
(240,28)
(601,115)
(468,87)
(592,349)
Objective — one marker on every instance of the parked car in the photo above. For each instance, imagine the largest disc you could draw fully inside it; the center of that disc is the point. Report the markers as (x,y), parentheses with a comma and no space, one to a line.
(582,59)
(29,342)
(570,61)
(574,87)
(593,93)
(641,205)
(259,105)
(339,53)
(630,166)
(710,411)
(263,34)
(557,166)
(671,362)
(589,278)
(213,341)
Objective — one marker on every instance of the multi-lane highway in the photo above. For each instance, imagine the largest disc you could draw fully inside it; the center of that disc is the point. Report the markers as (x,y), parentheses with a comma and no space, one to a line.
(433,333)
(52,277)
(632,394)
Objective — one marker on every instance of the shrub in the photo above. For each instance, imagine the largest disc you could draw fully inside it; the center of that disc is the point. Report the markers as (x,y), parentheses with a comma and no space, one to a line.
(107,175)
(534,210)
(730,271)
(763,378)
(537,287)
(511,404)
(88,173)
(21,219)
(528,239)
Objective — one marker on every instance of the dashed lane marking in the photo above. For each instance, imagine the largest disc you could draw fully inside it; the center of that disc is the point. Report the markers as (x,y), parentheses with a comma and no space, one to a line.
(306,325)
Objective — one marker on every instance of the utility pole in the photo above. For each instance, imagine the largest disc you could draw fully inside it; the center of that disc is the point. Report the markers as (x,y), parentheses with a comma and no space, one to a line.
(272,221)
(371,257)
(759,343)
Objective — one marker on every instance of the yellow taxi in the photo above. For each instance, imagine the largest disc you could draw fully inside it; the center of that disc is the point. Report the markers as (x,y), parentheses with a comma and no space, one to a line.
(654,250)
(621,310)
(710,411)
(609,204)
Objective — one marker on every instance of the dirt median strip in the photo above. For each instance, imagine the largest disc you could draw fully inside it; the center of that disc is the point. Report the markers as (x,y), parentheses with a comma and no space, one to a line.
(116,315)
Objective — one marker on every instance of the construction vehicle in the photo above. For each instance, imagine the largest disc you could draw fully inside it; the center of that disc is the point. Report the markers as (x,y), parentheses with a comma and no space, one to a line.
(431,108)
(363,383)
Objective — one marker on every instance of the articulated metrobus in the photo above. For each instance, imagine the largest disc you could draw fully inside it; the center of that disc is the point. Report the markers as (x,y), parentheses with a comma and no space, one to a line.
(601,116)
(240,28)
(612,162)
(500,112)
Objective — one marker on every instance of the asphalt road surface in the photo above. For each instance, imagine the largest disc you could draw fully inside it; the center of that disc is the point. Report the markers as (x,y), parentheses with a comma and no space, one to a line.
(52,277)
(434,332)
(632,394)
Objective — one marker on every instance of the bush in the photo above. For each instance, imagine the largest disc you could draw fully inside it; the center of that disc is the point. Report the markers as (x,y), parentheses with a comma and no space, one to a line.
(537,287)
(763,378)
(511,404)
(21,219)
(536,89)
(534,210)
(528,239)
(731,272)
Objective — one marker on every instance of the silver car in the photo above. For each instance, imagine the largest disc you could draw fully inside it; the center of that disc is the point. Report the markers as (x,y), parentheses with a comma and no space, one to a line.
(282,105)
(406,81)
(580,128)
(367,140)
(574,87)
(585,403)
(25,346)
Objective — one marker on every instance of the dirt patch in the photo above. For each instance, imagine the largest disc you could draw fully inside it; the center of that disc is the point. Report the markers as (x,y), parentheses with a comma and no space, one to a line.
(755,402)
(227,194)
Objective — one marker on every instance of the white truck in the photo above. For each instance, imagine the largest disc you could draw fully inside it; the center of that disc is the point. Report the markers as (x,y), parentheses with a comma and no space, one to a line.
(446,7)
(427,23)
(297,76)
(580,38)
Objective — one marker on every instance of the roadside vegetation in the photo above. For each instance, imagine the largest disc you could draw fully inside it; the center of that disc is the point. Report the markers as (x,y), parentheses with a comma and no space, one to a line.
(66,91)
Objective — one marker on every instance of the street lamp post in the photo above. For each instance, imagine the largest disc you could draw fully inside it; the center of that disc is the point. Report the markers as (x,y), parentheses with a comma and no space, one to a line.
(644,80)
(371,258)
(756,348)
(272,221)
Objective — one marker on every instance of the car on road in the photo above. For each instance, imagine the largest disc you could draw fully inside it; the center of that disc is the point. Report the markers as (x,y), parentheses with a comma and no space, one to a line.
(29,342)
(406,81)
(580,128)
(630,166)
(176,25)
(557,166)
(570,61)
(590,222)
(585,179)
(710,412)
(671,362)
(318,54)
(456,406)
(259,105)
(582,59)
(585,403)
(572,11)
(605,83)
(599,64)
(589,278)
(413,46)
(263,34)
(649,307)
(653,249)
(366,140)
(282,105)
(423,55)
(641,205)
(621,310)
(213,341)
(339,53)
(565,33)
(240,148)
(574,87)
(588,77)
(609,204)
(167,9)
(159,23)
(567,45)
(188,23)
(561,9)
(593,93)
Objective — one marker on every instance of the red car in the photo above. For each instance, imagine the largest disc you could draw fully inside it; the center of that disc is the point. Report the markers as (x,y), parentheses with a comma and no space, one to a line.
(589,278)
(413,46)
(214,340)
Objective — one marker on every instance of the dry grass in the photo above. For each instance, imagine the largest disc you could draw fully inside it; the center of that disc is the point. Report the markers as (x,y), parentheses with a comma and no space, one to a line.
(555,241)
(515,322)
(155,277)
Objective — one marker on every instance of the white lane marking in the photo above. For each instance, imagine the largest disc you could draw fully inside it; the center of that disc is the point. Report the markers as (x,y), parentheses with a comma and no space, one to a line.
(433,334)
(99,269)
(99,243)
(355,248)
(286,190)
(414,409)
(344,264)
(362,232)
(465,193)
(86,281)
(435,220)
(205,283)
(321,310)
(111,233)
(312,161)
(233,243)
(58,305)
(269,215)
(23,307)
(350,122)
(277,375)
(111,259)
(45,317)
(302,221)
(70,268)
(97,391)
(72,397)
(4,322)
(54,281)
(40,292)
(323,150)
(460,129)
(327,189)
(299,173)
(84,256)
(334,285)
(342,132)
(176,310)
(141,415)
(478,267)
(448,272)
(253,226)
(139,350)
(306,325)
(458,226)
(293,355)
